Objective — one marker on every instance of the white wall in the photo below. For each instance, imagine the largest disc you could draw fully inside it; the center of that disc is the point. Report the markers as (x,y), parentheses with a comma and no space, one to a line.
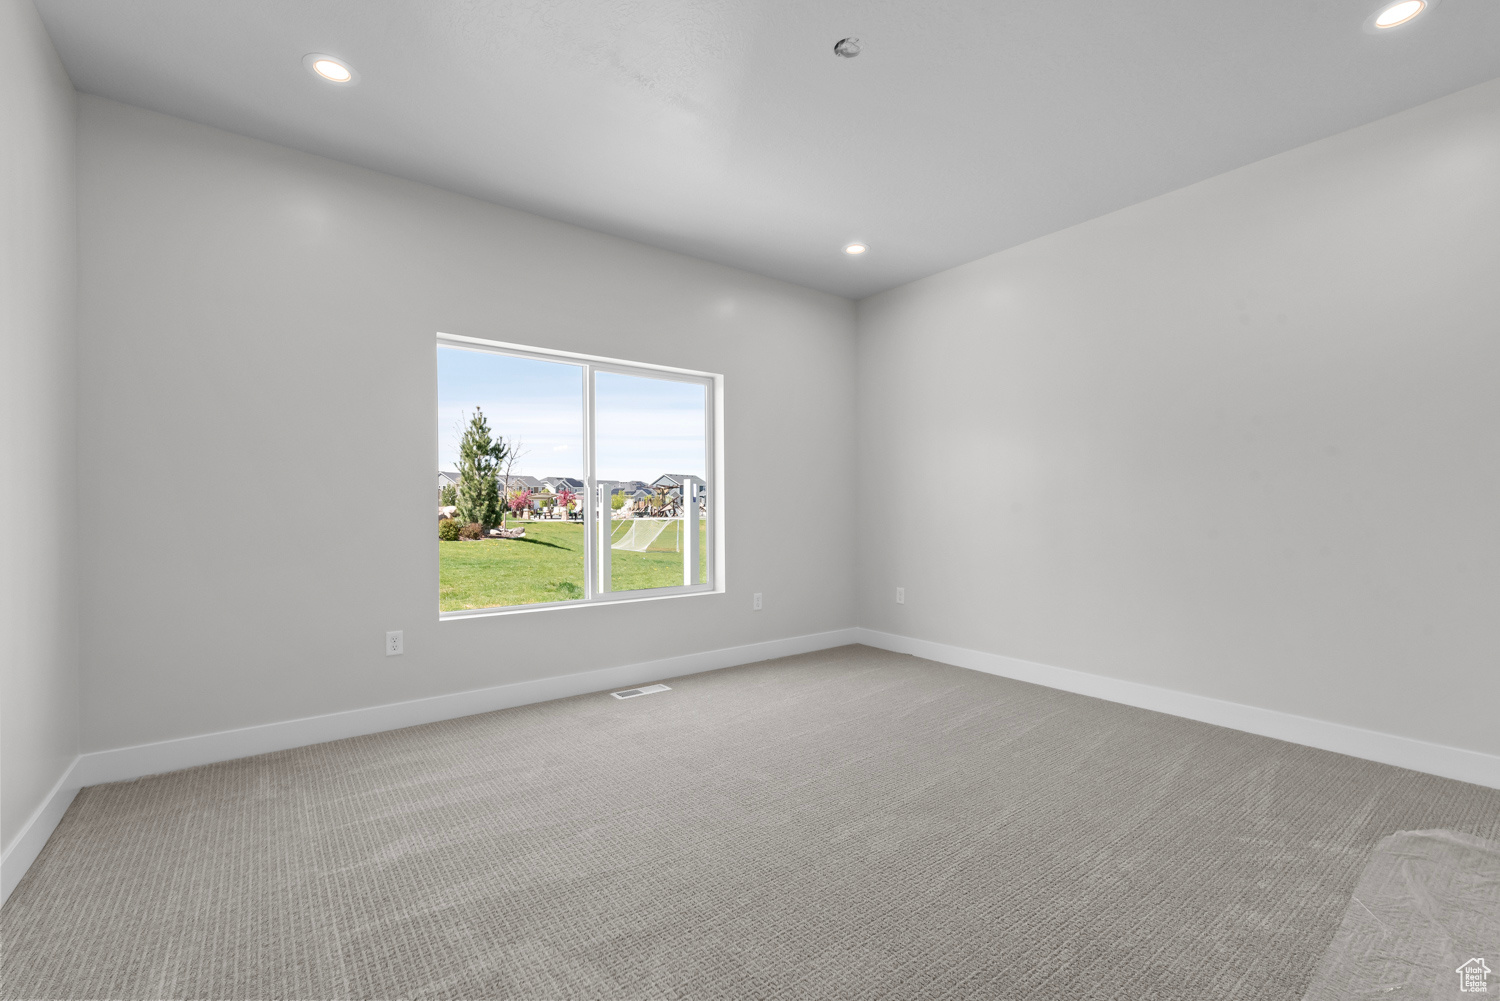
(39,523)
(254,320)
(1242,440)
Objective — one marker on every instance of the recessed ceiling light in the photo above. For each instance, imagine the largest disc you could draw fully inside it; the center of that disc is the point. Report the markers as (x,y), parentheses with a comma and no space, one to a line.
(330,69)
(1399,13)
(855,249)
(1394,14)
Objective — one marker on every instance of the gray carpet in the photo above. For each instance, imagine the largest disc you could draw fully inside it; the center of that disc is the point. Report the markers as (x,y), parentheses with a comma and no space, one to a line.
(850,824)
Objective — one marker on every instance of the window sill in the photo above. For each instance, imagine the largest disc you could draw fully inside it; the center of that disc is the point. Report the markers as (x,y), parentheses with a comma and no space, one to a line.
(623,598)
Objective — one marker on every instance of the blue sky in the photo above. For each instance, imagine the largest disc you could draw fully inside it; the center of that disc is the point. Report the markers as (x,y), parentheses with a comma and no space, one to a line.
(646,427)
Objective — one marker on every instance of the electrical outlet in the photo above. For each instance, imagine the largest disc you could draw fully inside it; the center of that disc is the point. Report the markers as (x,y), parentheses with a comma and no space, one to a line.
(393,643)
(900,595)
(757,601)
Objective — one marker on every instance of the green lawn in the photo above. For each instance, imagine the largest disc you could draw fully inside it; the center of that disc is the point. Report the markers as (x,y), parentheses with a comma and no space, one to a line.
(547,565)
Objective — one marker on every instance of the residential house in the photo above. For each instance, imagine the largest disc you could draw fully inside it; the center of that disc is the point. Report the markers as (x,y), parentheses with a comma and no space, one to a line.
(519,482)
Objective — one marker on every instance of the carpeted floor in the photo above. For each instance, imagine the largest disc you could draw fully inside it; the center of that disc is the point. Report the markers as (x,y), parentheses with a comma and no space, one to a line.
(849,824)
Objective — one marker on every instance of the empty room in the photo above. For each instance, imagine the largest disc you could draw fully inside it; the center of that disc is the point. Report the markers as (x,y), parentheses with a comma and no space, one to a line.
(519,499)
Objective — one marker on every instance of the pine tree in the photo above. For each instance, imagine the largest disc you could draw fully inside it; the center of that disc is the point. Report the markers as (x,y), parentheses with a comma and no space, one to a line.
(479,459)
(449,495)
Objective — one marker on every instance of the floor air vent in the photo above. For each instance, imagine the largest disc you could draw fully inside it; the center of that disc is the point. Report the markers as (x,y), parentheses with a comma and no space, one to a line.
(631,693)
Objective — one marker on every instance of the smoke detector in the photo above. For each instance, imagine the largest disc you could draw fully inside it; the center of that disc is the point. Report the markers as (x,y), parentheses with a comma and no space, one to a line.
(846,47)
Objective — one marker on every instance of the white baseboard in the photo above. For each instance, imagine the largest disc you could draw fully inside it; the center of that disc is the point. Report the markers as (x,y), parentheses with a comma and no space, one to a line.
(1388,749)
(134,762)
(27,844)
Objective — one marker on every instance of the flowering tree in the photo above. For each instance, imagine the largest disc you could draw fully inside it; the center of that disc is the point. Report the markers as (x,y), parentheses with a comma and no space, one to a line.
(565,498)
(519,500)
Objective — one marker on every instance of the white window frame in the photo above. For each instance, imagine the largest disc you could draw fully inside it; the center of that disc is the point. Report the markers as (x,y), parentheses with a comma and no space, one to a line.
(713,544)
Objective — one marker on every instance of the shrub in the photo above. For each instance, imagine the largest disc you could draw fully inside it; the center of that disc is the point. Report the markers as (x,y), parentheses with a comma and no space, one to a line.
(471,531)
(447,530)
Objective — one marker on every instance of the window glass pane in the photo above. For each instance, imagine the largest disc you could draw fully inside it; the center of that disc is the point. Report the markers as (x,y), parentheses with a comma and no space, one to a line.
(517,496)
(652,455)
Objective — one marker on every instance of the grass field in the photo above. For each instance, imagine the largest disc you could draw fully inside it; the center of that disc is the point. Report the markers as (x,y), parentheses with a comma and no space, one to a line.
(547,565)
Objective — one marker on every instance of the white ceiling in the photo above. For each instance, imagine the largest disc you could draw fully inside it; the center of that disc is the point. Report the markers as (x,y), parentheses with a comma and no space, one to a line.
(728,129)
